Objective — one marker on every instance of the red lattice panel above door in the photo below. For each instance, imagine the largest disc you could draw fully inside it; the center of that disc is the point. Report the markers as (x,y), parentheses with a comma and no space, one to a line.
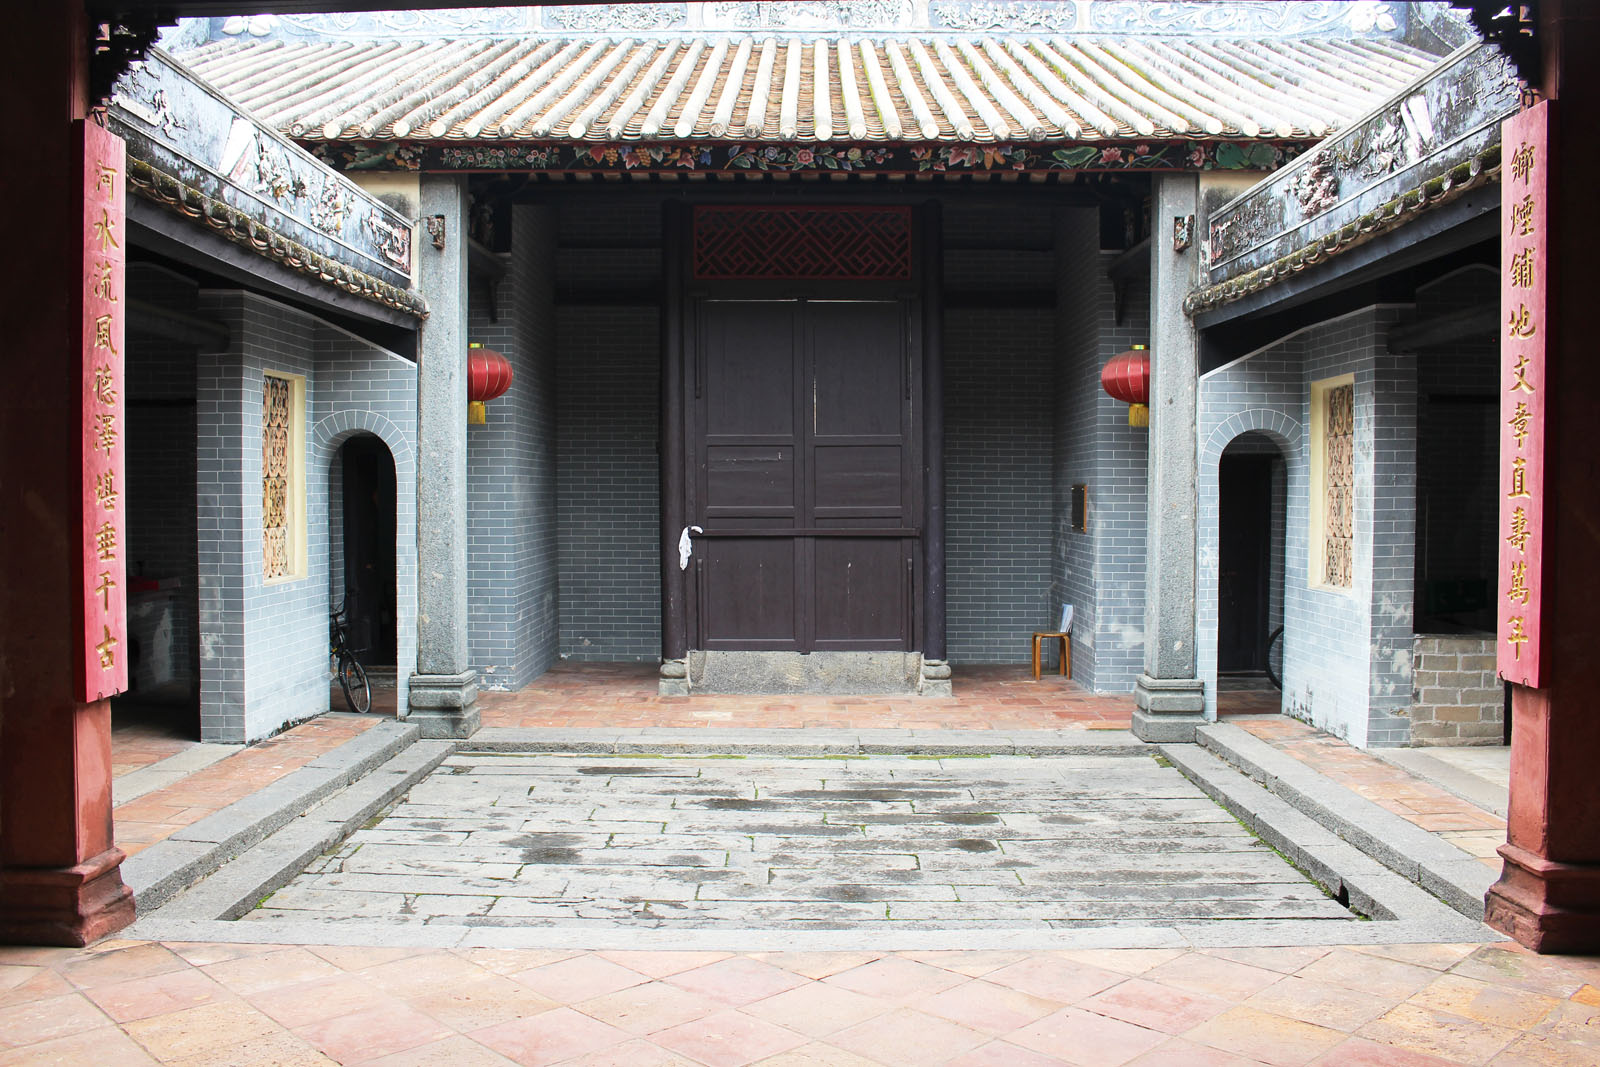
(815,243)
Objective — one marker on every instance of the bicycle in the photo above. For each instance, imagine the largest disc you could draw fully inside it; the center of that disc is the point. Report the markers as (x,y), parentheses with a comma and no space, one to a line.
(1274,662)
(352,676)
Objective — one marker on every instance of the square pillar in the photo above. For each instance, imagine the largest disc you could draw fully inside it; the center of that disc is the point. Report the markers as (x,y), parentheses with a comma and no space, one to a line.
(1169,699)
(444,691)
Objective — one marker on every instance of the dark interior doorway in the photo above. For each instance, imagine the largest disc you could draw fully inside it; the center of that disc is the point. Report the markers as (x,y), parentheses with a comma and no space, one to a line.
(1250,585)
(368,483)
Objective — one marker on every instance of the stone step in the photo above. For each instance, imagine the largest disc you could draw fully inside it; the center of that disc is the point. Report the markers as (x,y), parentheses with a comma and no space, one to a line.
(1413,853)
(381,756)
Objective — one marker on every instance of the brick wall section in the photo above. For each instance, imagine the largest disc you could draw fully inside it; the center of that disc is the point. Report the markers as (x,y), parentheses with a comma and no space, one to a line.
(607,473)
(512,590)
(1347,653)
(1393,502)
(264,647)
(1457,698)
(1100,571)
(998,497)
(999,384)
(609,483)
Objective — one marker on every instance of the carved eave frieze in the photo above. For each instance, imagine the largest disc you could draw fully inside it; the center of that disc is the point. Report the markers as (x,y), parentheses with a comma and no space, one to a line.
(1423,135)
(1436,191)
(179,127)
(185,200)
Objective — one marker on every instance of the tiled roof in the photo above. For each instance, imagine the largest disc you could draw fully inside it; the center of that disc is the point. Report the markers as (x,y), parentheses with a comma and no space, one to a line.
(776,89)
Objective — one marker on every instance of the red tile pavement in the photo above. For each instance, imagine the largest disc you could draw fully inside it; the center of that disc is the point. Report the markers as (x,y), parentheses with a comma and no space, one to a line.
(153,817)
(624,695)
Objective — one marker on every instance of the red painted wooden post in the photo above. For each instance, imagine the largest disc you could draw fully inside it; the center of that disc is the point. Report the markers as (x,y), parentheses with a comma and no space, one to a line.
(1548,895)
(59,868)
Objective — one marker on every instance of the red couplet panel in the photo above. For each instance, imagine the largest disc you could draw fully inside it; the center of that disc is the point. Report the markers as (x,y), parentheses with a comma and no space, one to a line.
(1525,163)
(103,660)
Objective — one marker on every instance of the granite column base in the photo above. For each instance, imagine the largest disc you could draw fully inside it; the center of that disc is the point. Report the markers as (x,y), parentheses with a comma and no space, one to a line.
(445,706)
(1168,710)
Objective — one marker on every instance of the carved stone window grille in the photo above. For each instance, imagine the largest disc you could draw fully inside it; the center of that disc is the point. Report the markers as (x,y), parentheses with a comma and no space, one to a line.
(791,244)
(1339,486)
(277,416)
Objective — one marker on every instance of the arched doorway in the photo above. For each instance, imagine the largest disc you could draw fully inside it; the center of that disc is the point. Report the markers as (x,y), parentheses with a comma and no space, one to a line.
(1252,498)
(362,550)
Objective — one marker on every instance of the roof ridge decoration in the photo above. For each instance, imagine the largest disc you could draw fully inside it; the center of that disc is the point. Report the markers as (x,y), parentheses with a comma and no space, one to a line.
(1421,147)
(1258,19)
(193,151)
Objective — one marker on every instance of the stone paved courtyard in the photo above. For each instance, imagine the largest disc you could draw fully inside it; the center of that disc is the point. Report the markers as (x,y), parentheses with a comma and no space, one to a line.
(802,843)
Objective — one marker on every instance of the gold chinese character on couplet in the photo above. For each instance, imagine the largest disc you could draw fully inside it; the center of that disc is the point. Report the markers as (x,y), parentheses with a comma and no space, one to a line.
(102,281)
(1518,537)
(1522,162)
(1519,421)
(1519,479)
(105,490)
(105,432)
(1522,217)
(1517,637)
(1522,269)
(108,657)
(105,541)
(1521,323)
(1519,582)
(102,333)
(1519,375)
(104,381)
(104,228)
(107,583)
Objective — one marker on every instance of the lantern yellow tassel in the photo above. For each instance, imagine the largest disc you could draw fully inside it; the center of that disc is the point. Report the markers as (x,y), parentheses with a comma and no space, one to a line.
(477,413)
(1138,414)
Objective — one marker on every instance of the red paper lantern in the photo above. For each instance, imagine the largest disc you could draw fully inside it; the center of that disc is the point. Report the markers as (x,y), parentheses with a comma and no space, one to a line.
(488,376)
(1126,377)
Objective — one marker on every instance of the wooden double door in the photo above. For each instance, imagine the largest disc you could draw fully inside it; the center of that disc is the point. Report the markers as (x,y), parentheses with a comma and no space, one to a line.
(805,474)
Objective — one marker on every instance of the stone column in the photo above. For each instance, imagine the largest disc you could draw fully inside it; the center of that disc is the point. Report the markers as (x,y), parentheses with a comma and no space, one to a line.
(1169,699)
(60,878)
(1548,896)
(444,691)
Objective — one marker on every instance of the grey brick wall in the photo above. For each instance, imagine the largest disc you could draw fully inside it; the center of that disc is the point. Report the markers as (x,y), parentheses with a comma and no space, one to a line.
(998,496)
(264,647)
(1457,696)
(1100,571)
(608,368)
(512,591)
(999,384)
(1347,653)
(608,483)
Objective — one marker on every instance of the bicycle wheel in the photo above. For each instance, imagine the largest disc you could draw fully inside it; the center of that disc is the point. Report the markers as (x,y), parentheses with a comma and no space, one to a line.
(353,680)
(1275,658)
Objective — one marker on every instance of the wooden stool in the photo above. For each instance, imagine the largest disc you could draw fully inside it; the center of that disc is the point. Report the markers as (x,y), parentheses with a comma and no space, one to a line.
(1039,637)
